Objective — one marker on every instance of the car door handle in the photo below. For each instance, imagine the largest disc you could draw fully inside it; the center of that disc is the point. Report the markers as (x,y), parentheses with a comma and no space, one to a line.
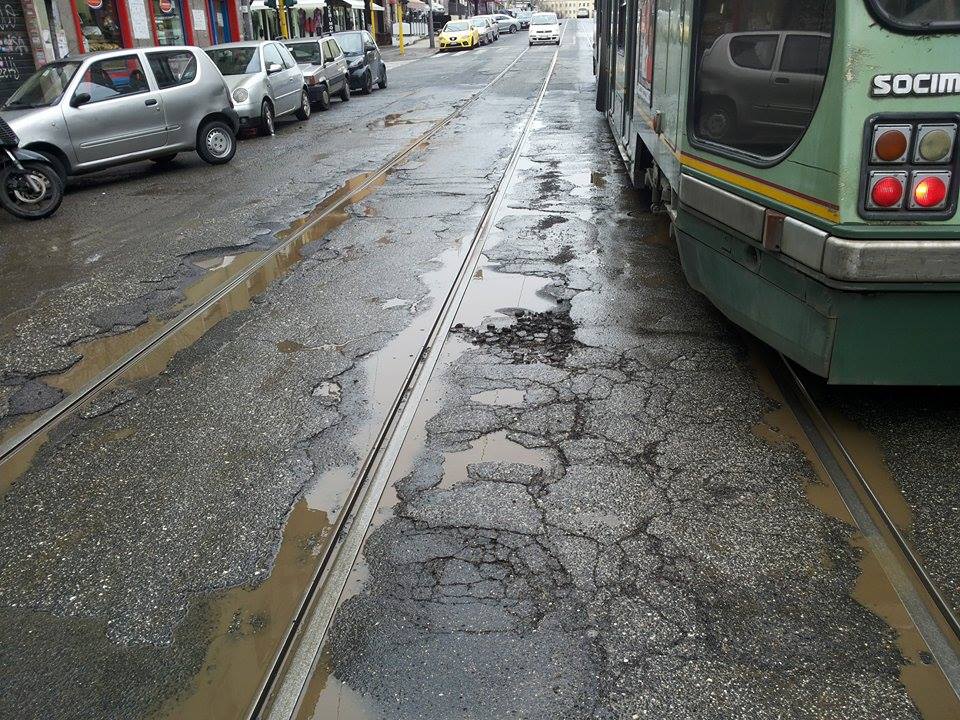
(150,102)
(782,80)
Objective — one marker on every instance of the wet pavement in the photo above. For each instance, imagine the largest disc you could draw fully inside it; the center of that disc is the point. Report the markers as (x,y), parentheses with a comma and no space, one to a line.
(129,242)
(603,508)
(145,529)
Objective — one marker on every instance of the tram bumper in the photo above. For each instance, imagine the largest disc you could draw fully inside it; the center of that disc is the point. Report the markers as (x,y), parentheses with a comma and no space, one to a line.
(865,316)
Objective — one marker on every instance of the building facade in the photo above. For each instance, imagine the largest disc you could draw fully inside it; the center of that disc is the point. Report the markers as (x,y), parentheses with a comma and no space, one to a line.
(565,8)
(35,32)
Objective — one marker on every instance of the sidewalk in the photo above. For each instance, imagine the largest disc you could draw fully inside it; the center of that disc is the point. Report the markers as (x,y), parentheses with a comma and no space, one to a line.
(416,49)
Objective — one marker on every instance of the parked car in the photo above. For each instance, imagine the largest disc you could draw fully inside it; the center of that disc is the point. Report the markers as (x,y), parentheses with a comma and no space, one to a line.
(484,27)
(264,80)
(92,111)
(364,64)
(493,25)
(583,13)
(523,16)
(507,24)
(324,68)
(459,34)
(544,28)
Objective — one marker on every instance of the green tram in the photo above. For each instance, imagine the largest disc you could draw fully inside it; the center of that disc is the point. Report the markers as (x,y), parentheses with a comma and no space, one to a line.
(806,151)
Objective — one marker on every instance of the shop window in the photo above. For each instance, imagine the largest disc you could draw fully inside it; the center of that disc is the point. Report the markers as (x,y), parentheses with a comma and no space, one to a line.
(100,24)
(113,78)
(168,20)
(760,69)
(173,68)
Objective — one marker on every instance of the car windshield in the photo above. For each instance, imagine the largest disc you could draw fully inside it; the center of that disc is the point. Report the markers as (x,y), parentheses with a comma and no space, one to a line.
(544,19)
(308,52)
(236,60)
(479,22)
(44,87)
(352,43)
(524,14)
(923,15)
(459,26)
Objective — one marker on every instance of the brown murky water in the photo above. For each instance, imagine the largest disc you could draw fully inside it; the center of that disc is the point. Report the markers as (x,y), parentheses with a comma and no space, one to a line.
(925,683)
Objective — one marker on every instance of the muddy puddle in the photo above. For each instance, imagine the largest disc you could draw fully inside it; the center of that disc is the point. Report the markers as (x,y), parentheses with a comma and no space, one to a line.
(103,352)
(926,684)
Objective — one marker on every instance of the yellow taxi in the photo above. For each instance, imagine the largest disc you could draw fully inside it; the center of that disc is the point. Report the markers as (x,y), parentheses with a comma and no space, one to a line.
(459,34)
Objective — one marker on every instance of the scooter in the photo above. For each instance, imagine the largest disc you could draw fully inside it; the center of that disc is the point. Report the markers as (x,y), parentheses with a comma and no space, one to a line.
(30,187)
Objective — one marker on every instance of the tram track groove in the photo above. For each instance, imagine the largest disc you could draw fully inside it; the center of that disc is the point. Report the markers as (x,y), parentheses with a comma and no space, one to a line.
(924,602)
(280,697)
(52,417)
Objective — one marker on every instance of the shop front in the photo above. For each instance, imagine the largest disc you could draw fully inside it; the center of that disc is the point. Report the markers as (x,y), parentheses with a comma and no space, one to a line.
(310,18)
(111,24)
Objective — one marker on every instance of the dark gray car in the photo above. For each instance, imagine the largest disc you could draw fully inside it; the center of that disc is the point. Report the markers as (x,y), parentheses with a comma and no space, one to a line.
(364,63)
(92,111)
(324,67)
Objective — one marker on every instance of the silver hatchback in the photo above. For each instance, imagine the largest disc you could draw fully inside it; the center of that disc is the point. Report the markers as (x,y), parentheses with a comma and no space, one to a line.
(265,81)
(101,109)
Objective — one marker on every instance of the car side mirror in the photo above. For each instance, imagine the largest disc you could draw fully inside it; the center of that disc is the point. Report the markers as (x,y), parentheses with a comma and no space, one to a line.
(273,68)
(368,46)
(79,99)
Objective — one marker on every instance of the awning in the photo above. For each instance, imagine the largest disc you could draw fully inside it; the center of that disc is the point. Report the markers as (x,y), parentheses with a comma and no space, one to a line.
(355,4)
(259,5)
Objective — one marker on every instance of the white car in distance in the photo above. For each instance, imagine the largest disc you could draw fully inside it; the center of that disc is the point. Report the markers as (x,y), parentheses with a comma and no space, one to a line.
(544,28)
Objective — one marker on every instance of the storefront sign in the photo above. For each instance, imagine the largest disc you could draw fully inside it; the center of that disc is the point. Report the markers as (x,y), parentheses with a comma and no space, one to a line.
(94,4)
(199,20)
(166,6)
(137,12)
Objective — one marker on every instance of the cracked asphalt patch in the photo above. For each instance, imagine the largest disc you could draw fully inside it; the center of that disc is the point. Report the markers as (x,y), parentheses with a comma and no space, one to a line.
(663,561)
(134,518)
(125,246)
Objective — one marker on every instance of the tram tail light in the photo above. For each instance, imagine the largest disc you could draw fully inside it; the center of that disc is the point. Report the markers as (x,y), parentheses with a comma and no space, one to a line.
(929,190)
(886,190)
(909,167)
(890,143)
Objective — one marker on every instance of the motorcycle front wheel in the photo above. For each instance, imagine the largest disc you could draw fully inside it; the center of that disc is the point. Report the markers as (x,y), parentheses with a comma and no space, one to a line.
(31,193)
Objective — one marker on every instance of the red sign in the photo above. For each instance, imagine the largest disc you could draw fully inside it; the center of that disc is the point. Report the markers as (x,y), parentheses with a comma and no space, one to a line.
(94,4)
(166,6)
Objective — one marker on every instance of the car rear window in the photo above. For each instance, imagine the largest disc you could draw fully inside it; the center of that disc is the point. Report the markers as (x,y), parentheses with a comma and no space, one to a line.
(306,52)
(177,67)
(235,60)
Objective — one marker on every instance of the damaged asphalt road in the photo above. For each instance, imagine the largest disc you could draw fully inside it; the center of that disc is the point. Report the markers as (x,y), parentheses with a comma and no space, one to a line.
(603,514)
(120,541)
(130,241)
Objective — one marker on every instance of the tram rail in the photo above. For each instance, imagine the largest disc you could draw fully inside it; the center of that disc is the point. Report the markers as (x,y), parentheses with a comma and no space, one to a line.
(283,690)
(34,432)
(932,614)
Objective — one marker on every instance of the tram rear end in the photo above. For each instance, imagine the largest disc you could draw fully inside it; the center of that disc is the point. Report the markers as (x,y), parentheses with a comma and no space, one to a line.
(807,151)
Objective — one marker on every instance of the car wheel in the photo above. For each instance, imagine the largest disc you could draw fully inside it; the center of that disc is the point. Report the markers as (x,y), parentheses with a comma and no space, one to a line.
(718,121)
(164,159)
(303,112)
(367,83)
(382,83)
(324,102)
(56,163)
(266,118)
(345,91)
(216,142)
(513,29)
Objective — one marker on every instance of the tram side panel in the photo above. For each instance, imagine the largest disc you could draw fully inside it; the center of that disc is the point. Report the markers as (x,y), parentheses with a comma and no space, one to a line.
(763,121)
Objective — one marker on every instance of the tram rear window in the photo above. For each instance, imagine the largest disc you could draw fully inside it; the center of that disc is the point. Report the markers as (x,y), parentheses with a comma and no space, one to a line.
(919,15)
(760,71)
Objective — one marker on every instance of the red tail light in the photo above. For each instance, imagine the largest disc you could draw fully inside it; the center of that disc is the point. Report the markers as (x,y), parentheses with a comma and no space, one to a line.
(930,190)
(887,192)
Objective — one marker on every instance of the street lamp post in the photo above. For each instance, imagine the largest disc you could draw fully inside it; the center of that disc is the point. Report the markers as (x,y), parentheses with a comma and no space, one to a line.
(430,23)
